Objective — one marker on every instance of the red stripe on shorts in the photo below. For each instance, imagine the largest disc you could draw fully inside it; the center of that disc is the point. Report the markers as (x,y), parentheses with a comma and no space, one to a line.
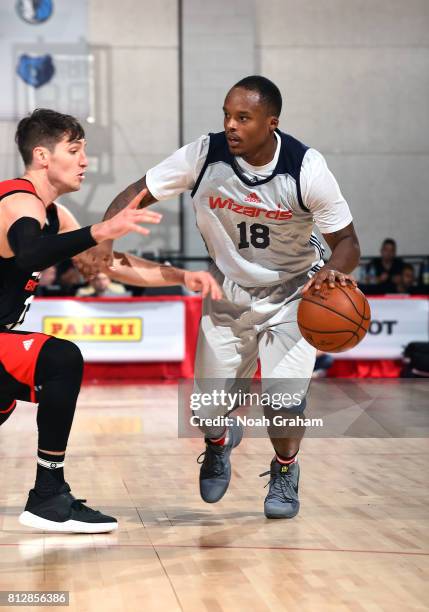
(11,407)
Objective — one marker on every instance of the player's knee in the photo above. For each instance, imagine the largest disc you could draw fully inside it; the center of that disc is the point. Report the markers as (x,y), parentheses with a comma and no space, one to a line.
(71,355)
(60,357)
(289,410)
(285,421)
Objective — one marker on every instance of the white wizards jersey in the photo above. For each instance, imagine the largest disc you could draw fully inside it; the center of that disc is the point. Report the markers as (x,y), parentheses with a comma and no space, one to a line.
(257,229)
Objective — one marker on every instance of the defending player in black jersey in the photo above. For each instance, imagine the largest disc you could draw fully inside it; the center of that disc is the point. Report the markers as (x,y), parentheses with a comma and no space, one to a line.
(36,233)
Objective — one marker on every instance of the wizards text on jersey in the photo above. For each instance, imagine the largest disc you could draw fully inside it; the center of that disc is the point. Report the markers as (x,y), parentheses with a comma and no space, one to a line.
(250,211)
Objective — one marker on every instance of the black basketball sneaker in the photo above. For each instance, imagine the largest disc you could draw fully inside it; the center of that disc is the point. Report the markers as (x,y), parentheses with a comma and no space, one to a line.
(64,513)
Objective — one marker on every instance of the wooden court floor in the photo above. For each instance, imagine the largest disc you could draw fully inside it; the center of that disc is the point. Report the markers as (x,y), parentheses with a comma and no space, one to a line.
(360,542)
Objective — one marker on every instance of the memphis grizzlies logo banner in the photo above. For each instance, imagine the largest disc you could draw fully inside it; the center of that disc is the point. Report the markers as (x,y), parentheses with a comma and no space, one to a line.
(36,71)
(45,59)
(34,11)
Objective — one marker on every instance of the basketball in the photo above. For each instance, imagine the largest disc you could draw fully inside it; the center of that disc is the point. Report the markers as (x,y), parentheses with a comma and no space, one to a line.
(334,319)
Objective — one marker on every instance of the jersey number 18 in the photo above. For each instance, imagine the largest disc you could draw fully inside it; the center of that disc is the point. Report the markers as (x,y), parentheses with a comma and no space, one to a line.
(259,236)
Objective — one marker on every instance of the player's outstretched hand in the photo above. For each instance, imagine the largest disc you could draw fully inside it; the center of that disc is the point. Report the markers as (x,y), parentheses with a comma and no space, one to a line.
(330,275)
(204,283)
(128,220)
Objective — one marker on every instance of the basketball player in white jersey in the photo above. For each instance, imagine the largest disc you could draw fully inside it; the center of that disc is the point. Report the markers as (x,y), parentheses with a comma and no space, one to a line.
(257,194)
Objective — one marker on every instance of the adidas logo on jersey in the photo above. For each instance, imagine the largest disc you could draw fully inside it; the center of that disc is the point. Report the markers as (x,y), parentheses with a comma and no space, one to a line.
(27,344)
(253,197)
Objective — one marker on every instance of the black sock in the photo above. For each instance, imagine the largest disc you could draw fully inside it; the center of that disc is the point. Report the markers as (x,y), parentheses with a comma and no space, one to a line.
(50,474)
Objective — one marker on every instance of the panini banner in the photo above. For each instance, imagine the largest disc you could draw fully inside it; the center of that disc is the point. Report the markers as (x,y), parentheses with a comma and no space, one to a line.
(114,330)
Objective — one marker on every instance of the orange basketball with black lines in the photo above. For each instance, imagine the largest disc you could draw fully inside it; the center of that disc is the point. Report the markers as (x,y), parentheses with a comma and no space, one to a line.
(334,319)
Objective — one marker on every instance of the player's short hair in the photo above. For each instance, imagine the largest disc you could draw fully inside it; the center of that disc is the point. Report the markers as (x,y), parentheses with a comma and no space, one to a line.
(390,241)
(46,128)
(267,90)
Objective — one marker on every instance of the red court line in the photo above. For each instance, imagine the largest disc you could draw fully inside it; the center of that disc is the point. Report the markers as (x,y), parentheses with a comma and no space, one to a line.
(229,547)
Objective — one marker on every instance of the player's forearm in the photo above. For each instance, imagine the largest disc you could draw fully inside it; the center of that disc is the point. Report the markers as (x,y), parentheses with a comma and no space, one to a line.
(125,197)
(34,250)
(345,255)
(139,272)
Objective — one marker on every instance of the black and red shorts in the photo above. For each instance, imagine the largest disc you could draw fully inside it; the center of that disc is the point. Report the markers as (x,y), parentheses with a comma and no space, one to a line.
(19,352)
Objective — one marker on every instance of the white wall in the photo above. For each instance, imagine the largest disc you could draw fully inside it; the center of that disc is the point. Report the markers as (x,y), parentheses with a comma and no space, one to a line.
(355,78)
(218,50)
(142,37)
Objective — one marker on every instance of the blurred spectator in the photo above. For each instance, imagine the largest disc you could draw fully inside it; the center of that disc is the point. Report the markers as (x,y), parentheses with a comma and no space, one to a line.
(102,286)
(48,286)
(407,282)
(68,278)
(425,272)
(322,365)
(385,270)
(48,277)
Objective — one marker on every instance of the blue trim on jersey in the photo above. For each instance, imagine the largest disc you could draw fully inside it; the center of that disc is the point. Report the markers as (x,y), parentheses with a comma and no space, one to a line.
(290,161)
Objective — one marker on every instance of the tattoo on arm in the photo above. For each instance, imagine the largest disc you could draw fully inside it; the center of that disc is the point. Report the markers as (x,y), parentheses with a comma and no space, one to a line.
(150,272)
(123,259)
(126,196)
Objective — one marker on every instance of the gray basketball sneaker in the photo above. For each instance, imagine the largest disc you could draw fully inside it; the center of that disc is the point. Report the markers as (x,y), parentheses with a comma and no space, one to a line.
(215,472)
(282,499)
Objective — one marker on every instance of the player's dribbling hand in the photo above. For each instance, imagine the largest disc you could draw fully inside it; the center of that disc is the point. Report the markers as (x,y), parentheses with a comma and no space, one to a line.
(203,282)
(331,276)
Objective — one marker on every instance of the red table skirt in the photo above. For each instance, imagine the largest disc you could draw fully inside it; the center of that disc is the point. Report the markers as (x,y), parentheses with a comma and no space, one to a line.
(366,368)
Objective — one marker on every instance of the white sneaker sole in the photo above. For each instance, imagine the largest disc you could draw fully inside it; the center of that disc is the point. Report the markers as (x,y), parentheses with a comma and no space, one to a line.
(32,520)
